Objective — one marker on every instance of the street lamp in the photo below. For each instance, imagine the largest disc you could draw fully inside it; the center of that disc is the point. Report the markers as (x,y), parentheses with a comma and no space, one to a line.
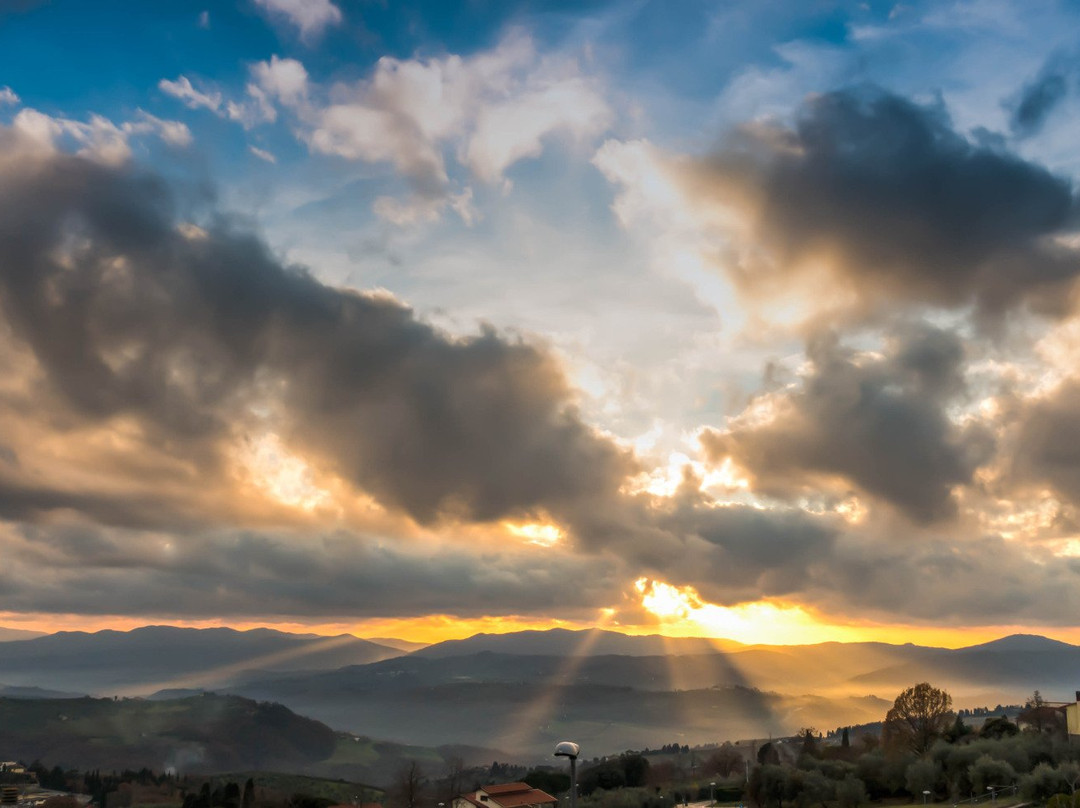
(925,796)
(569,749)
(712,790)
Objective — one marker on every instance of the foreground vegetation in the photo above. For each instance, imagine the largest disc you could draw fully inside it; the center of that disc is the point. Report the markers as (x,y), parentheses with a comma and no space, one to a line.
(923,753)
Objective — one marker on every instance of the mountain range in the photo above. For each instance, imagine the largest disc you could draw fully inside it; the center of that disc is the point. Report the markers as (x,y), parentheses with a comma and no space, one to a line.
(519,692)
(157,657)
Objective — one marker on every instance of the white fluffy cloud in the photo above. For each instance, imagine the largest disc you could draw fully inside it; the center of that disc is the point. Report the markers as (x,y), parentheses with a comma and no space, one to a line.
(99,138)
(490,110)
(7,96)
(311,17)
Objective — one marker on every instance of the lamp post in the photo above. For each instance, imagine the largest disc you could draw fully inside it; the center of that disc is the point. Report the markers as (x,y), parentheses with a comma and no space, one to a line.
(569,749)
(712,791)
(925,796)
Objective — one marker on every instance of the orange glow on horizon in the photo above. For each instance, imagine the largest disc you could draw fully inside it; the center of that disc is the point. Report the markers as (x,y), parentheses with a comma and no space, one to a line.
(797,625)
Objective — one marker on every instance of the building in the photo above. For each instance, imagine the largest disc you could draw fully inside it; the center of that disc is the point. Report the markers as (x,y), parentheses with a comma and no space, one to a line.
(1072,717)
(506,795)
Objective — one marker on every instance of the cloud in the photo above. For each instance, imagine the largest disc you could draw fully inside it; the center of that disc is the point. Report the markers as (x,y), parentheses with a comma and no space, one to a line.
(493,108)
(257,108)
(876,423)
(188,332)
(311,17)
(142,355)
(284,79)
(7,96)
(877,195)
(288,574)
(1036,102)
(262,154)
(183,89)
(513,130)
(1045,449)
(99,138)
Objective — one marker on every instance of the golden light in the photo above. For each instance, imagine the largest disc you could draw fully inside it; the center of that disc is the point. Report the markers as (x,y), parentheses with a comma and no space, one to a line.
(538,533)
(283,475)
(681,611)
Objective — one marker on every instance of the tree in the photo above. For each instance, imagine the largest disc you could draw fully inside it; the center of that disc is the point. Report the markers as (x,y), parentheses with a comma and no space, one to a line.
(920,776)
(768,754)
(635,767)
(998,727)
(724,762)
(817,789)
(408,786)
(1042,783)
(769,785)
(455,775)
(548,780)
(988,771)
(958,731)
(919,716)
(1040,716)
(850,792)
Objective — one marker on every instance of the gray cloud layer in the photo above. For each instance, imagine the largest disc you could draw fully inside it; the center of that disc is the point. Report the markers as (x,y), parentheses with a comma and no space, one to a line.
(900,205)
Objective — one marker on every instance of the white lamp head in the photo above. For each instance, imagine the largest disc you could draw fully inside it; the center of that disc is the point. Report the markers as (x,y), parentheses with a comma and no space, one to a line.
(567,749)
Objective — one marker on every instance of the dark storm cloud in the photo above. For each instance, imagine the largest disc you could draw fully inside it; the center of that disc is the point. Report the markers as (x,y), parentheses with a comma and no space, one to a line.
(877,423)
(186,334)
(900,205)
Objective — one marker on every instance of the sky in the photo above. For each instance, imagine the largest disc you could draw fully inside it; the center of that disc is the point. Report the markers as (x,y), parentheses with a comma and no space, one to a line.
(417,319)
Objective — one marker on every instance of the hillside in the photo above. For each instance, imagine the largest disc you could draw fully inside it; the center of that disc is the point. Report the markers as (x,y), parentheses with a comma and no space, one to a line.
(203,734)
(153,658)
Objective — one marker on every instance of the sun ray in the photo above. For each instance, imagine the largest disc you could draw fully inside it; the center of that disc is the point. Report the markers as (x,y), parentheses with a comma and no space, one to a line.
(530,723)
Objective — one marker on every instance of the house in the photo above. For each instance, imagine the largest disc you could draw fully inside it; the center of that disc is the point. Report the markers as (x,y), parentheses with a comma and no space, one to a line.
(506,795)
(1072,717)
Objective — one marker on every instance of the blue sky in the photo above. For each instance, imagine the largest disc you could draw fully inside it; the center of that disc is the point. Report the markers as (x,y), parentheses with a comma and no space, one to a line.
(795,281)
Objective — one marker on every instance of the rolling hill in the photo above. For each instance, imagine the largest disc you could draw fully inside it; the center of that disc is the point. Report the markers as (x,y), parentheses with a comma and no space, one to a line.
(203,734)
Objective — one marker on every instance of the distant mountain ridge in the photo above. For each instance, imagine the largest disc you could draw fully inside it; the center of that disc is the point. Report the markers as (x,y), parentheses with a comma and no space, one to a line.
(583,642)
(9,634)
(155,657)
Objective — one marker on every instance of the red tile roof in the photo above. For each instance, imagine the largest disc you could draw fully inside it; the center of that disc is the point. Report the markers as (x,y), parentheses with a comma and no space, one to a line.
(509,795)
(506,788)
